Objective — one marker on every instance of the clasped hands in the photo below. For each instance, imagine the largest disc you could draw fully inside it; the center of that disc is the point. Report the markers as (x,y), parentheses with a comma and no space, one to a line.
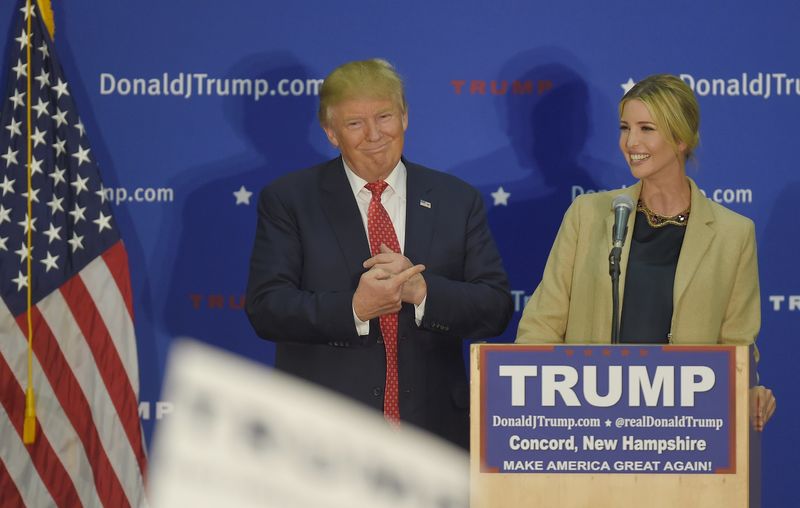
(390,281)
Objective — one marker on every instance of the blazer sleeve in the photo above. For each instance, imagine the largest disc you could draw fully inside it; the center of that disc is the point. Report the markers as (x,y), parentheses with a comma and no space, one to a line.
(544,319)
(479,305)
(742,319)
(276,305)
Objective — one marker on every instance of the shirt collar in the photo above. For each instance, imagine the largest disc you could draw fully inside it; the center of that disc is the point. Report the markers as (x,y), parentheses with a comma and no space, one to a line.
(396,179)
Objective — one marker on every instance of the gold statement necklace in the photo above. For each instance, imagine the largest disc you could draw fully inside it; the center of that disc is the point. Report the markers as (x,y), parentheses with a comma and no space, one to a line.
(659,221)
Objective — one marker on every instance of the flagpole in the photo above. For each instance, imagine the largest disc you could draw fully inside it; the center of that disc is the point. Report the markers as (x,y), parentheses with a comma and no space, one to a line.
(29,426)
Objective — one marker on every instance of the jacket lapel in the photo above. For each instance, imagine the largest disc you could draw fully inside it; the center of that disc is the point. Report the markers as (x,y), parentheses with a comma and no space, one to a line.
(339,204)
(421,209)
(699,235)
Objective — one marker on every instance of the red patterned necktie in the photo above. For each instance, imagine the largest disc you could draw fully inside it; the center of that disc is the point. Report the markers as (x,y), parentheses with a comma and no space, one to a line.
(381,231)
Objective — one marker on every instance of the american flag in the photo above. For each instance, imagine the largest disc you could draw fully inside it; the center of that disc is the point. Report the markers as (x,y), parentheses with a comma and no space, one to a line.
(88,449)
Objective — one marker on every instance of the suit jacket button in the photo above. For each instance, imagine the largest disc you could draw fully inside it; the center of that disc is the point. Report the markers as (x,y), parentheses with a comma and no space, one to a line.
(377,391)
(379,340)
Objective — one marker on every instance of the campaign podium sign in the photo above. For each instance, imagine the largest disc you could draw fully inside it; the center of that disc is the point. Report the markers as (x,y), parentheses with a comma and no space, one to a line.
(623,425)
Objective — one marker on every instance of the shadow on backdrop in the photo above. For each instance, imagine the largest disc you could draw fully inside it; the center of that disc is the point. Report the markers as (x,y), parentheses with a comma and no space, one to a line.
(780,329)
(214,237)
(544,160)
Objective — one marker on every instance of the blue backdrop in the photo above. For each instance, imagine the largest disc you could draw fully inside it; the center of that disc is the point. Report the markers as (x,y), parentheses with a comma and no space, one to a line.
(511,94)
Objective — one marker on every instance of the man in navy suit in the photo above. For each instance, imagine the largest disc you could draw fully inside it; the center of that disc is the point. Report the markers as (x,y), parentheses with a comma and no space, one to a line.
(368,270)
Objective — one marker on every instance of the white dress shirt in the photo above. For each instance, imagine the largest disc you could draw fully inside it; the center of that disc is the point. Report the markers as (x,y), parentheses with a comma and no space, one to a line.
(393,200)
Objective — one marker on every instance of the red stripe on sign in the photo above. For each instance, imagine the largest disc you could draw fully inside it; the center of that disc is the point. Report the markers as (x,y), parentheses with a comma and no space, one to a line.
(116,259)
(76,407)
(44,458)
(108,362)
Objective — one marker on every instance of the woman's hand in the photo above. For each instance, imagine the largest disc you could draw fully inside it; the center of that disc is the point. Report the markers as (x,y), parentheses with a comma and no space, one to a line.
(762,406)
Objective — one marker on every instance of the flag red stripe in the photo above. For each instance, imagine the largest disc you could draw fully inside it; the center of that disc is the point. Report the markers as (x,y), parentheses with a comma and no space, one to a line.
(108,362)
(44,458)
(116,259)
(76,407)
(9,495)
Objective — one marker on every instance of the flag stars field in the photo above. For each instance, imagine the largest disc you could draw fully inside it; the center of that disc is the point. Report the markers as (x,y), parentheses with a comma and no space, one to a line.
(87,448)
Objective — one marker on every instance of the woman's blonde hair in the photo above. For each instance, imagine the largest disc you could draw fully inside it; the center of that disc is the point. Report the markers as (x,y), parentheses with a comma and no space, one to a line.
(673,106)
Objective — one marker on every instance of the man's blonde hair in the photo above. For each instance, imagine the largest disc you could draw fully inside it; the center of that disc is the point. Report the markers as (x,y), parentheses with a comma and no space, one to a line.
(673,106)
(368,79)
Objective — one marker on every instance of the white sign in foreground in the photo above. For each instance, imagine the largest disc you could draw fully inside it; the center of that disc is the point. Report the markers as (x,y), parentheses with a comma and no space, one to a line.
(244,435)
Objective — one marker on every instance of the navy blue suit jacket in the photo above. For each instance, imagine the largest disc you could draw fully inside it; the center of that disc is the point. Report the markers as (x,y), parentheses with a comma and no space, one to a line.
(306,263)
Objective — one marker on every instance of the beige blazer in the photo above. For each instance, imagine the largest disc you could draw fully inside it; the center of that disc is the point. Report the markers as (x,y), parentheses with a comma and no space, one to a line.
(715,296)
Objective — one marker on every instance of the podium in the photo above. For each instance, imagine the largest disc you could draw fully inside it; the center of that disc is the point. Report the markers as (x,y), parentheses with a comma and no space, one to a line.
(561,426)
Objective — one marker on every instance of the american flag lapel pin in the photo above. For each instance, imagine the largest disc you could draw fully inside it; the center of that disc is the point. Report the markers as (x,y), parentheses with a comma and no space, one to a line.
(423,203)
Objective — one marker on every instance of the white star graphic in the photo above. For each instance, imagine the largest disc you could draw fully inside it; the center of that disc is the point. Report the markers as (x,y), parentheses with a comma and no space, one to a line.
(242,196)
(102,222)
(80,127)
(627,85)
(5,214)
(80,184)
(13,128)
(21,280)
(21,69)
(52,233)
(77,213)
(7,185)
(38,137)
(44,50)
(500,196)
(17,99)
(43,78)
(58,146)
(608,423)
(58,176)
(3,240)
(60,117)
(76,241)
(82,155)
(50,262)
(60,88)
(41,107)
(55,204)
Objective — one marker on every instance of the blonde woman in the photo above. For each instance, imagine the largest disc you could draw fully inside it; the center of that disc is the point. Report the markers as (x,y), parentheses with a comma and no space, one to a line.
(689,267)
